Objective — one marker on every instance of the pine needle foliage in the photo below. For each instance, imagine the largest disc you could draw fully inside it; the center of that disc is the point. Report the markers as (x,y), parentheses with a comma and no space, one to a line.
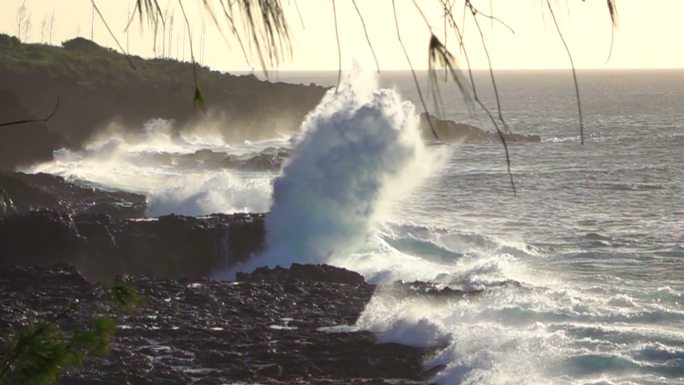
(39,353)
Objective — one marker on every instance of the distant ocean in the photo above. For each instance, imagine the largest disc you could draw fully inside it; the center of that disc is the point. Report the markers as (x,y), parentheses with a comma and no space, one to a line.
(582,271)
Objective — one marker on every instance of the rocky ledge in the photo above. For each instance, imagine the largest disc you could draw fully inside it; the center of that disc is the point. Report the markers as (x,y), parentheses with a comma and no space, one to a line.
(102,246)
(267,328)
(21,193)
(450,131)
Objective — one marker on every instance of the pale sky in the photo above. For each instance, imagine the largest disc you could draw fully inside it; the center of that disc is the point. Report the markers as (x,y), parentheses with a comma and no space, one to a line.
(649,35)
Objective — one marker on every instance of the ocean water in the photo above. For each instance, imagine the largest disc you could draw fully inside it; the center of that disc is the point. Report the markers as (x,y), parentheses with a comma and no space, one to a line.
(580,276)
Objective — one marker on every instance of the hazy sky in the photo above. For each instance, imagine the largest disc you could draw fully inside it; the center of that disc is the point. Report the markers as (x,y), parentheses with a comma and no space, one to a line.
(649,34)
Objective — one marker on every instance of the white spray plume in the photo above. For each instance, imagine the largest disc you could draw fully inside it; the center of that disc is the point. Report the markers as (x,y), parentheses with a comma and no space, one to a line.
(135,161)
(359,146)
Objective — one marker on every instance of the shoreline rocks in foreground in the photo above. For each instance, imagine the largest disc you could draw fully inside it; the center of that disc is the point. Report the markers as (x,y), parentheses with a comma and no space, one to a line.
(265,328)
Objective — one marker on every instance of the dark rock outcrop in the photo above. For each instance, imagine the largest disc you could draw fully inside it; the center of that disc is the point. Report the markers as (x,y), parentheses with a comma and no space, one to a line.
(299,272)
(24,144)
(98,85)
(20,193)
(102,247)
(214,332)
(268,159)
(450,131)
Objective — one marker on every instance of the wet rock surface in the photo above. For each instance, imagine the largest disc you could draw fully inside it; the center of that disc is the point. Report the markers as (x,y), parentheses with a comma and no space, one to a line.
(102,246)
(268,159)
(21,193)
(258,330)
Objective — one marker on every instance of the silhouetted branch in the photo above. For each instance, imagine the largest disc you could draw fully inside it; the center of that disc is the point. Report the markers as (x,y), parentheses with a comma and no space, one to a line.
(339,49)
(23,121)
(413,72)
(474,12)
(502,138)
(490,17)
(439,54)
(112,34)
(365,32)
(198,99)
(612,9)
(572,64)
(235,32)
(301,20)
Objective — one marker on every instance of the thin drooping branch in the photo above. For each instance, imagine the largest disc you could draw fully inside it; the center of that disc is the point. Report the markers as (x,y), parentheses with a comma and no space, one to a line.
(198,99)
(208,7)
(574,73)
(612,40)
(446,74)
(274,29)
(439,55)
(301,20)
(491,17)
(235,33)
(413,72)
(502,138)
(473,12)
(339,49)
(365,31)
(612,10)
(23,121)
(99,14)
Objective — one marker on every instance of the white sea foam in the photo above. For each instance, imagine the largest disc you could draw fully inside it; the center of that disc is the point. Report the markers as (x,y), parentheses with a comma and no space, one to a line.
(118,159)
(360,148)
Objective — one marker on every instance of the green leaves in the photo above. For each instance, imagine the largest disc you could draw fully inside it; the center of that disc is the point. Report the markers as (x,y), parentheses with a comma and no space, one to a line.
(198,99)
(124,297)
(40,352)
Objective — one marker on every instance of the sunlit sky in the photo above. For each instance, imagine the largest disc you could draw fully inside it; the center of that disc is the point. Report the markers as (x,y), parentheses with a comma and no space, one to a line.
(649,33)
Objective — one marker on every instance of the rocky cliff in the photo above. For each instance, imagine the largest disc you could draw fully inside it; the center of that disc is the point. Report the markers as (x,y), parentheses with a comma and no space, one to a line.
(97,85)
(101,246)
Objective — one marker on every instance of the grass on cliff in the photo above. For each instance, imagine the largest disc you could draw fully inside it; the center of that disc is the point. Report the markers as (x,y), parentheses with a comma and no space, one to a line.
(92,66)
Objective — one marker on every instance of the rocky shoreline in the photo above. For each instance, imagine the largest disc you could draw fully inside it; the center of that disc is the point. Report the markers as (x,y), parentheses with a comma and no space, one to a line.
(45,219)
(268,327)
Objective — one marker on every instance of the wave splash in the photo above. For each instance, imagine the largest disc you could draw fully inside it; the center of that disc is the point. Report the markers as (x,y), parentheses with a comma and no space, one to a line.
(359,148)
(144,163)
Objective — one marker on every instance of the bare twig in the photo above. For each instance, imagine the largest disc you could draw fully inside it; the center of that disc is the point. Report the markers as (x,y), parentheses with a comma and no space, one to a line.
(198,99)
(612,9)
(339,49)
(301,20)
(491,17)
(474,13)
(413,72)
(365,31)
(23,121)
(574,73)
(112,34)
(502,138)
(235,33)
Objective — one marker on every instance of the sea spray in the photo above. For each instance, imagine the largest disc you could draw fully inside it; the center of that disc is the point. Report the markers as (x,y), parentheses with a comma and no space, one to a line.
(143,162)
(358,147)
